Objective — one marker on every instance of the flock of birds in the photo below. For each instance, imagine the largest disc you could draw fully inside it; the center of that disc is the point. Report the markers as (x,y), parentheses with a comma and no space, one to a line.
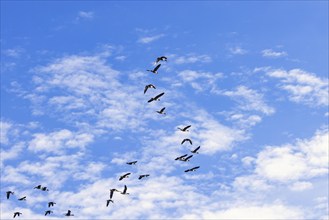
(183,158)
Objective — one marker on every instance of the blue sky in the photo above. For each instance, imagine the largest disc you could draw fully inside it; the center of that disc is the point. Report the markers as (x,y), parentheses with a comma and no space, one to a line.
(250,77)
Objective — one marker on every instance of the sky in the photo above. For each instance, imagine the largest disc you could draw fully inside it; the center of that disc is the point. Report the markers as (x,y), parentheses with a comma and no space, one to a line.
(250,77)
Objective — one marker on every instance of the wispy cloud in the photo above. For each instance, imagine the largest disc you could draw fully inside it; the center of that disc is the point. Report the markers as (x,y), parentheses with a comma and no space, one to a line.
(191,58)
(273,54)
(87,15)
(237,50)
(149,39)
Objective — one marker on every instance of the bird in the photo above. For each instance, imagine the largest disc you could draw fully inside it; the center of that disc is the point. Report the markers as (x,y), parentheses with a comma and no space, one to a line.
(37,187)
(162,58)
(149,86)
(156,98)
(132,162)
(187,158)
(48,212)
(108,202)
(44,188)
(162,111)
(124,176)
(185,129)
(112,192)
(17,214)
(69,213)
(142,176)
(8,193)
(181,157)
(195,151)
(187,139)
(155,70)
(51,204)
(23,198)
(124,192)
(192,169)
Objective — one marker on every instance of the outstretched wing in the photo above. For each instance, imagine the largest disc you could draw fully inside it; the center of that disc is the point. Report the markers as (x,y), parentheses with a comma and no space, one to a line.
(145,89)
(158,96)
(157,67)
(187,127)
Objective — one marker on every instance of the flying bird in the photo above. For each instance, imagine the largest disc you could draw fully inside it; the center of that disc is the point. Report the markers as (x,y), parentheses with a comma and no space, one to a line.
(162,111)
(181,157)
(162,58)
(108,202)
(155,70)
(142,176)
(44,188)
(195,151)
(188,140)
(156,98)
(48,212)
(185,129)
(51,204)
(149,86)
(69,213)
(8,193)
(124,192)
(17,214)
(132,162)
(124,176)
(22,199)
(37,187)
(192,169)
(112,192)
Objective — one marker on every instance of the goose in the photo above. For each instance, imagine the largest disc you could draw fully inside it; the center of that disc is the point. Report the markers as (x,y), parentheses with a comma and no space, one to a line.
(192,169)
(156,98)
(142,176)
(181,157)
(124,176)
(149,86)
(124,192)
(17,214)
(69,213)
(162,111)
(162,58)
(44,188)
(155,70)
(22,199)
(51,204)
(188,140)
(185,129)
(8,193)
(48,212)
(108,202)
(37,187)
(132,162)
(195,151)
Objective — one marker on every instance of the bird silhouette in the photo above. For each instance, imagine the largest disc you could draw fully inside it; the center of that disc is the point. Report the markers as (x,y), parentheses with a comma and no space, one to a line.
(37,187)
(112,192)
(17,214)
(69,213)
(156,98)
(181,157)
(187,158)
(162,111)
(8,193)
(142,176)
(132,162)
(192,169)
(162,58)
(188,140)
(44,188)
(155,70)
(149,86)
(48,212)
(124,192)
(51,204)
(124,176)
(108,202)
(195,151)
(22,199)
(185,129)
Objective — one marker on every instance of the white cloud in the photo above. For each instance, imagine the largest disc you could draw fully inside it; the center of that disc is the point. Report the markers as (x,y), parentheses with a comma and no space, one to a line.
(4,131)
(200,81)
(85,15)
(149,39)
(273,54)
(14,52)
(249,100)
(191,58)
(303,87)
(237,51)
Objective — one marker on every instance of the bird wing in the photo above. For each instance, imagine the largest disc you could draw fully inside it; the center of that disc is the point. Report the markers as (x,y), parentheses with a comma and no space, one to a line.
(152,99)
(188,157)
(157,67)
(194,168)
(188,170)
(158,96)
(125,189)
(189,140)
(183,141)
(111,194)
(145,89)
(196,149)
(187,127)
